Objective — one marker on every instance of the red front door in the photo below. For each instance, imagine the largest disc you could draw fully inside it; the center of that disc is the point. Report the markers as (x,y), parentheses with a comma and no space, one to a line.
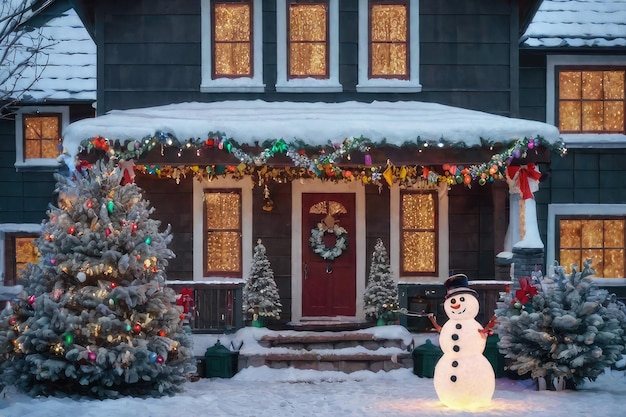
(328,285)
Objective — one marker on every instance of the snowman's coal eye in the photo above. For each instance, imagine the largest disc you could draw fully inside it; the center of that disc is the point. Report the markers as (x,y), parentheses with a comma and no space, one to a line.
(453,301)
(462,299)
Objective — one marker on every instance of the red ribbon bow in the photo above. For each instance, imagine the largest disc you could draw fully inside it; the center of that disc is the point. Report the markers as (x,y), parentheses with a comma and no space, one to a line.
(526,173)
(526,291)
(185,299)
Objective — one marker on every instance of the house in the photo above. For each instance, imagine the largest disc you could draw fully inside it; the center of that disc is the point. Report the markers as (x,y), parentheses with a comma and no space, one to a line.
(56,87)
(572,72)
(269,120)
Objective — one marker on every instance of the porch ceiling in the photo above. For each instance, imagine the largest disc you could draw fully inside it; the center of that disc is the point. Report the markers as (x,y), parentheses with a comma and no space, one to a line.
(401,124)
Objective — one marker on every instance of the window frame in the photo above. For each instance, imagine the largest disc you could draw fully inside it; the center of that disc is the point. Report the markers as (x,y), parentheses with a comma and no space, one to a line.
(582,68)
(580,140)
(21,162)
(401,269)
(366,84)
(253,84)
(8,233)
(596,217)
(557,211)
(284,84)
(199,262)
(442,236)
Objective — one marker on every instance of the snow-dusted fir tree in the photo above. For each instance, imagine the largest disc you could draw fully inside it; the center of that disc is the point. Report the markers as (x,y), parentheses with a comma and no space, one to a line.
(566,328)
(381,293)
(95,318)
(260,293)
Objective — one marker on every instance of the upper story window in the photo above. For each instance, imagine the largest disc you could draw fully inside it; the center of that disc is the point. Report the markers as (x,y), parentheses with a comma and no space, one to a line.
(307,46)
(591,100)
(232,48)
(388,46)
(419,233)
(38,136)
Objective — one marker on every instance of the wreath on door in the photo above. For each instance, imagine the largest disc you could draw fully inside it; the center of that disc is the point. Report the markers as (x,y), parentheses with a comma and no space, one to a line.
(317,241)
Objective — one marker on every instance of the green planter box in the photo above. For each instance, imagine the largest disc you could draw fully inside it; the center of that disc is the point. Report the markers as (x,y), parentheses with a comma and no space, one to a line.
(425,358)
(220,362)
(493,355)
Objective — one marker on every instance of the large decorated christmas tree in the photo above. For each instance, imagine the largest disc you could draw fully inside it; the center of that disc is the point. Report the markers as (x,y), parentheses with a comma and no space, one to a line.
(260,293)
(561,328)
(381,293)
(95,318)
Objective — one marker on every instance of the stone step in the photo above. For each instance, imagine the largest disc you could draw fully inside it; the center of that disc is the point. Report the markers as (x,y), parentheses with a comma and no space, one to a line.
(343,362)
(347,351)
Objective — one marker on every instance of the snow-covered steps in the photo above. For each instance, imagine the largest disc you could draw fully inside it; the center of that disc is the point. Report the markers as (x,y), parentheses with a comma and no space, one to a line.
(374,349)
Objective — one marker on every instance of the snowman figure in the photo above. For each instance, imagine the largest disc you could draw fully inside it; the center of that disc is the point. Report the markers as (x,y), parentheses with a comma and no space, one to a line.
(464,378)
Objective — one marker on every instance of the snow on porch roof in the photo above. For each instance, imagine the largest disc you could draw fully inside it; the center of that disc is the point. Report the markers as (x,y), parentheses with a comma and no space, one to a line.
(317,124)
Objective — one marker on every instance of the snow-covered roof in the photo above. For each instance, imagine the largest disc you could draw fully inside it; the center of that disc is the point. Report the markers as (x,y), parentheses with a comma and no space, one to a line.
(66,70)
(578,23)
(317,124)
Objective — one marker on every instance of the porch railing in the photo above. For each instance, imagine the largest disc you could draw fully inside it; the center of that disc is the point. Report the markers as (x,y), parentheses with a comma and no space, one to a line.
(216,307)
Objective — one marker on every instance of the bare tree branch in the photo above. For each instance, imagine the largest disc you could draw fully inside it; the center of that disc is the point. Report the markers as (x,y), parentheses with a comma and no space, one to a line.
(23,56)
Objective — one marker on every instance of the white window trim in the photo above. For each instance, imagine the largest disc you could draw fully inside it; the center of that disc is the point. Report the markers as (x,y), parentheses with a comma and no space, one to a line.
(366,85)
(232,85)
(580,140)
(555,210)
(307,85)
(20,161)
(443,237)
(13,228)
(198,227)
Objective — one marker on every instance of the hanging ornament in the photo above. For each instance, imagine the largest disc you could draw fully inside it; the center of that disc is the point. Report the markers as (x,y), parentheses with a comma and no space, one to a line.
(152,357)
(53,261)
(137,328)
(162,333)
(88,204)
(133,227)
(68,338)
(160,359)
(91,355)
(268,204)
(148,240)
(81,276)
(128,327)
(12,321)
(71,230)
(31,300)
(107,232)
(110,206)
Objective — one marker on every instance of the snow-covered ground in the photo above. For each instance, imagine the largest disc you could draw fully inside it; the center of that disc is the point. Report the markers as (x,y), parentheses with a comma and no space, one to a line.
(258,392)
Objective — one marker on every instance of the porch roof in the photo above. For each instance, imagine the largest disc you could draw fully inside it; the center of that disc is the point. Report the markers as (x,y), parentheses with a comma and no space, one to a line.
(398,123)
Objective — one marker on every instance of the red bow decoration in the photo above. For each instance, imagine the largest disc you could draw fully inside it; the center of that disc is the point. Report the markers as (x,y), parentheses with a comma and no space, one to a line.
(185,299)
(100,143)
(526,291)
(526,173)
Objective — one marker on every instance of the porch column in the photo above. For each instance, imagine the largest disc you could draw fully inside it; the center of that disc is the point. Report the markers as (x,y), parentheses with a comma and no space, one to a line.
(523,233)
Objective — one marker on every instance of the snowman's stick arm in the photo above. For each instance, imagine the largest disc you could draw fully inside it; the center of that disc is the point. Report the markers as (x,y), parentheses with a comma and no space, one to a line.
(432,319)
(487,329)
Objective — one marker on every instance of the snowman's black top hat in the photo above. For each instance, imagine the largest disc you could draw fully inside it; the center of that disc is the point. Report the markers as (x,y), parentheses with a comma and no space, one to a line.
(458,284)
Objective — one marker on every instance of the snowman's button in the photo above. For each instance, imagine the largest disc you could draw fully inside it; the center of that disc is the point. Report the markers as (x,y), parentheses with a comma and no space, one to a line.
(456,348)
(458,325)
(455,364)
(453,378)
(455,336)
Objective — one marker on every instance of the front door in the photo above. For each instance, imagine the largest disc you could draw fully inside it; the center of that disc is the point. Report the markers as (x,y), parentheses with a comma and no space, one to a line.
(329,276)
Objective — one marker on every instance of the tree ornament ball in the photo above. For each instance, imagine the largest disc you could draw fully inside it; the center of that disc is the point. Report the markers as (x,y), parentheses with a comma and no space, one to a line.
(81,276)
(92,356)
(153,357)
(464,378)
(148,240)
(110,206)
(160,359)
(128,327)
